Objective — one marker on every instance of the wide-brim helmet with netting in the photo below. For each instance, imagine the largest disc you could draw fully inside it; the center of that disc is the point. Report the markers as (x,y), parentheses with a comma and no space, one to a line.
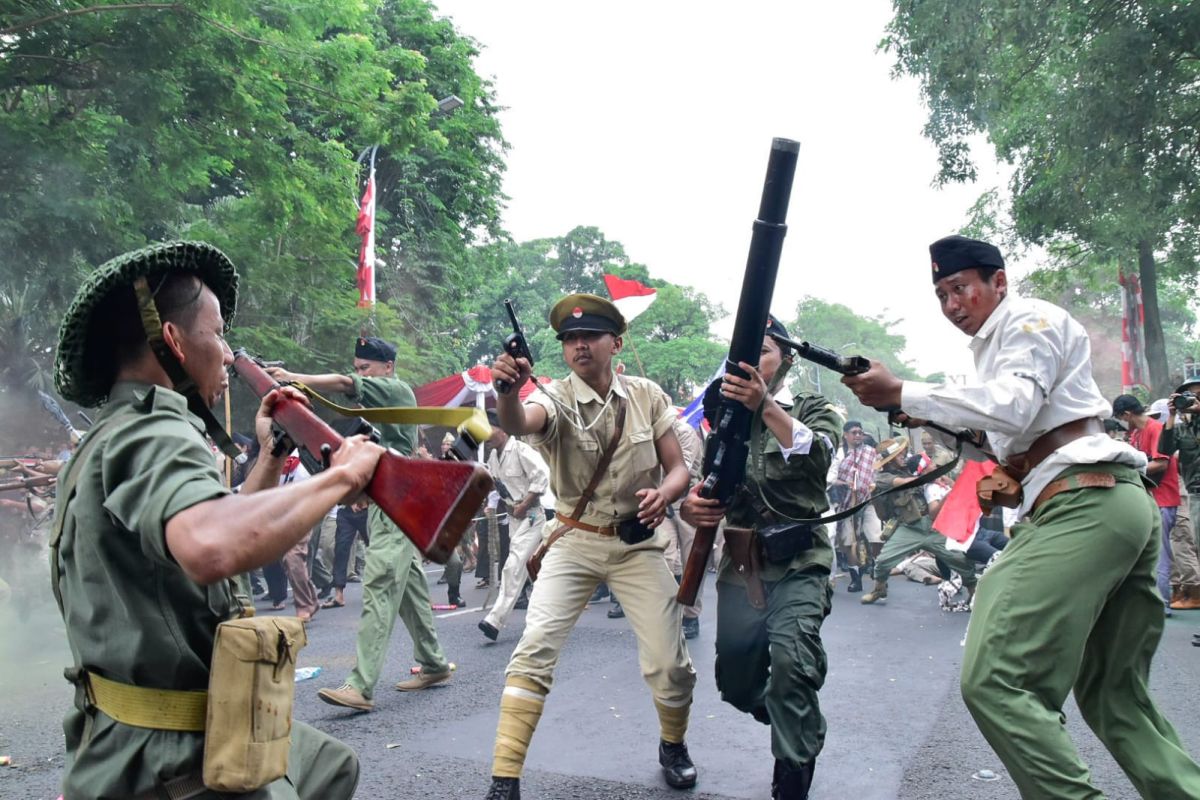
(81,372)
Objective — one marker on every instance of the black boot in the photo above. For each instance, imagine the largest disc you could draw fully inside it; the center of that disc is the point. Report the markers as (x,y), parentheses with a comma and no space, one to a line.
(504,789)
(791,784)
(677,765)
(855,580)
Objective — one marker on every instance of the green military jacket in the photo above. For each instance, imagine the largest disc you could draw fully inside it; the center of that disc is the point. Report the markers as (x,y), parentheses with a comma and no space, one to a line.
(907,506)
(795,487)
(375,392)
(1185,438)
(131,613)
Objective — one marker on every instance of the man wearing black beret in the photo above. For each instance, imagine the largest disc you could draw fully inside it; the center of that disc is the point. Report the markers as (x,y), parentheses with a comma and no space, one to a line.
(1072,602)
(393,578)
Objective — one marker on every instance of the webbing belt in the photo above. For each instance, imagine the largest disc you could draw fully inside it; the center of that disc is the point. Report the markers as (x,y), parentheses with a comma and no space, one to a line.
(159,709)
(470,419)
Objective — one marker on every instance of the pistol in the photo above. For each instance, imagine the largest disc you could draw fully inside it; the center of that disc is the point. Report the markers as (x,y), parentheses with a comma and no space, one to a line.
(515,345)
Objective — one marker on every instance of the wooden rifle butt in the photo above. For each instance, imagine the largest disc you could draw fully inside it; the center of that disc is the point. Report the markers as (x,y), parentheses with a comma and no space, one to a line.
(696,566)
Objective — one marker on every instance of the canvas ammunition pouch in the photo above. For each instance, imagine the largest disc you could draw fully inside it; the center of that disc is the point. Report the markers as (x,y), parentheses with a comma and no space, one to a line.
(250,693)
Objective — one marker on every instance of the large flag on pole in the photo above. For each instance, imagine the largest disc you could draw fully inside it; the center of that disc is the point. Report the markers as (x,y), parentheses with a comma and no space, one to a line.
(630,297)
(1133,345)
(366,256)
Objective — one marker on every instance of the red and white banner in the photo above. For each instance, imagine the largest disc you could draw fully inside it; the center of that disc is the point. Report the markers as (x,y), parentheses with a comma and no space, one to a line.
(630,297)
(366,256)
(1133,344)
(959,517)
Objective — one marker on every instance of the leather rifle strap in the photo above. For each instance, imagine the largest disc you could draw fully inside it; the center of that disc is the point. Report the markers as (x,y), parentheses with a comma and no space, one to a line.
(534,564)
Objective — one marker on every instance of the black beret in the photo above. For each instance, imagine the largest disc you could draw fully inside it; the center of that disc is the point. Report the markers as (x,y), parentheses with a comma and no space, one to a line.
(775,327)
(956,253)
(373,348)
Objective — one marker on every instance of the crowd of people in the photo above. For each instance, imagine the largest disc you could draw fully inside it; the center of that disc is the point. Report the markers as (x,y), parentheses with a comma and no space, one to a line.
(597,497)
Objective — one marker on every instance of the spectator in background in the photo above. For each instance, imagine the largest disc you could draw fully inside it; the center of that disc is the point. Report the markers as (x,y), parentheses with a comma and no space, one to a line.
(1144,435)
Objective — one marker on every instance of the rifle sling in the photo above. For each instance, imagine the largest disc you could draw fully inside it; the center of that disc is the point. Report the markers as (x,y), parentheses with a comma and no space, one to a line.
(605,459)
(397,415)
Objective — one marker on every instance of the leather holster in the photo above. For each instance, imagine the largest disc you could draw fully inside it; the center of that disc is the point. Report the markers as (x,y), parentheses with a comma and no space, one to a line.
(998,489)
(746,555)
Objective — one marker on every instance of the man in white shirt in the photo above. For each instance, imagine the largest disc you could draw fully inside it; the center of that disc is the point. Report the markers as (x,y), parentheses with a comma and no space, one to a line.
(1072,600)
(525,477)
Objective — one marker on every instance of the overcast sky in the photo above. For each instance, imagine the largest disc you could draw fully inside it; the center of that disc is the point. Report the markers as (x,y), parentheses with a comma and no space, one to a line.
(653,121)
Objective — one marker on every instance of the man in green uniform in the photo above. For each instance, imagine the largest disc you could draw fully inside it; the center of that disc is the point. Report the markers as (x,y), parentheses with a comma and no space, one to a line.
(393,578)
(770,660)
(1071,601)
(150,534)
(607,510)
(908,523)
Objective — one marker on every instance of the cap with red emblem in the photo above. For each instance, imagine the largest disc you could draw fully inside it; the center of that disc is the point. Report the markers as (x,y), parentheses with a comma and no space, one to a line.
(586,312)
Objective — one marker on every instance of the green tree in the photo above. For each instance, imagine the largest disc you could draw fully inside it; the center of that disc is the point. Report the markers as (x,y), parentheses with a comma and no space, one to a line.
(1094,104)
(839,328)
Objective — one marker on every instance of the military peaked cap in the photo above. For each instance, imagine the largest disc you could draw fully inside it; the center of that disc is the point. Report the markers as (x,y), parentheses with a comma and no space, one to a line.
(586,312)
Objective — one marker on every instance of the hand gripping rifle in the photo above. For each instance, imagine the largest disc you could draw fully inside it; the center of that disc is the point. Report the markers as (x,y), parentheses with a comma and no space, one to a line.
(432,501)
(728,446)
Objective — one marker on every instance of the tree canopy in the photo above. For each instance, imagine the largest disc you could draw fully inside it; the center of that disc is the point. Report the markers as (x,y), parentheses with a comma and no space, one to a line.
(1096,107)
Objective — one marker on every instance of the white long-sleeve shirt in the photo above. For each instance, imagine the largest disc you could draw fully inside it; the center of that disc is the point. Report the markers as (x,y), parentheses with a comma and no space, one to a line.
(1034,373)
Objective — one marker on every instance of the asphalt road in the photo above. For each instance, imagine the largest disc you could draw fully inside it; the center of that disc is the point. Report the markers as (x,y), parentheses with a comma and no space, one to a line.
(897,728)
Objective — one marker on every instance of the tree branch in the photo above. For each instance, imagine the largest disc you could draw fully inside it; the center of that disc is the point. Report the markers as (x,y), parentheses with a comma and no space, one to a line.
(33,23)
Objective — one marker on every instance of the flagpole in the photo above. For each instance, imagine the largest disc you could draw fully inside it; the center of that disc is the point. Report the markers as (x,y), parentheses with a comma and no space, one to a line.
(633,347)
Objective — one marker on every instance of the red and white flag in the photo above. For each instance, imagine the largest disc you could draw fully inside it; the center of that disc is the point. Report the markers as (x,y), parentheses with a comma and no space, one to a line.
(630,297)
(1133,344)
(366,256)
(960,512)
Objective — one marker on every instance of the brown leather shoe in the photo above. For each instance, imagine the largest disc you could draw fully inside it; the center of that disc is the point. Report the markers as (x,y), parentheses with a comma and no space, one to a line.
(423,680)
(346,696)
(1187,599)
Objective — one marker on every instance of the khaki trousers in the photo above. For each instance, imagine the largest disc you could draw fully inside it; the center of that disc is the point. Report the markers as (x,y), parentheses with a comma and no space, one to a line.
(295,564)
(637,574)
(523,539)
(393,586)
(680,536)
(1185,561)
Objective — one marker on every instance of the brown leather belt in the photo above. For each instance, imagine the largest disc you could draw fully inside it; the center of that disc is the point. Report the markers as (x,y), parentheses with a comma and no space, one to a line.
(1019,465)
(1080,480)
(606,530)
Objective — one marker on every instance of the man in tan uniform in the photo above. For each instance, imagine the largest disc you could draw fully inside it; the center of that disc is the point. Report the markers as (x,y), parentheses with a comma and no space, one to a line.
(608,440)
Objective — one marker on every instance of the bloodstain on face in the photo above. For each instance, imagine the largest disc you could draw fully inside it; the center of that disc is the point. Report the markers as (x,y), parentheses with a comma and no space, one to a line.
(967,299)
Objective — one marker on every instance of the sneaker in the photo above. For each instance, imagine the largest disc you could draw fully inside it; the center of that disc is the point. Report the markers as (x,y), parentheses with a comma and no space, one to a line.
(489,630)
(504,789)
(677,766)
(353,578)
(423,680)
(482,583)
(456,601)
(346,696)
(599,595)
(616,612)
(691,627)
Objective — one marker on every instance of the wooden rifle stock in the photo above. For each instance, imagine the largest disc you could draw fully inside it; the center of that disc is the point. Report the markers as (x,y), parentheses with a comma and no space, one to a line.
(432,501)
(18,484)
(697,563)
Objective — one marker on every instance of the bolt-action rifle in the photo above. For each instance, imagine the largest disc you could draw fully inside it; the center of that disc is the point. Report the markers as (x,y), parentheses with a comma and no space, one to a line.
(432,501)
(728,446)
(20,484)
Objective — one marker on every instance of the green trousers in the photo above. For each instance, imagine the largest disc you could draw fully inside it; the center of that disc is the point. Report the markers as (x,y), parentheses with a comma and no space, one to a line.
(771,663)
(916,536)
(1072,603)
(393,585)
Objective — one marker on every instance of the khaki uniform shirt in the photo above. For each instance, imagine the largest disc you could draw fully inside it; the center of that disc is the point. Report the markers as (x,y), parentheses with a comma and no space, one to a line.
(375,392)
(794,486)
(573,453)
(131,613)
(520,469)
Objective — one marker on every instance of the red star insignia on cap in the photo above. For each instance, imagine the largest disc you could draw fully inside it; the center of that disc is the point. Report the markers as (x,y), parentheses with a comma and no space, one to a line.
(577,312)
(935,266)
